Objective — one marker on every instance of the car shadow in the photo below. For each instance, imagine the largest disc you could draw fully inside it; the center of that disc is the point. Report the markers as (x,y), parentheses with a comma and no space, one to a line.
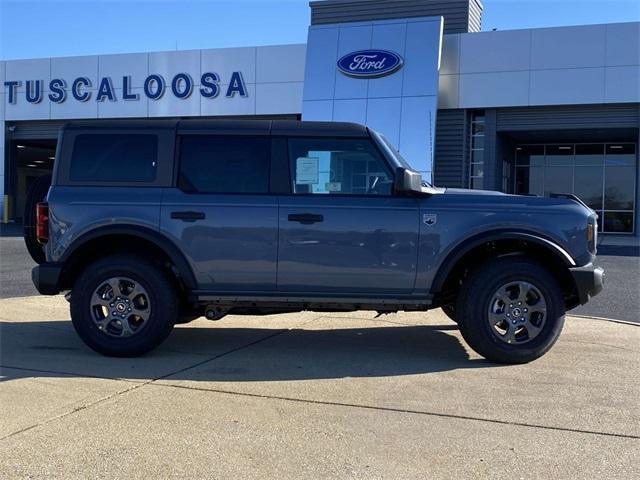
(224,354)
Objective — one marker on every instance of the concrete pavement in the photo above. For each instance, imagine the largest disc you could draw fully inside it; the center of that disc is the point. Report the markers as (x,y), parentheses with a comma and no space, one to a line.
(314,396)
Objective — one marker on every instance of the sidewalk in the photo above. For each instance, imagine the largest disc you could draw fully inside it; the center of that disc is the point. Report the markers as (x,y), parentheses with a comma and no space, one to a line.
(314,395)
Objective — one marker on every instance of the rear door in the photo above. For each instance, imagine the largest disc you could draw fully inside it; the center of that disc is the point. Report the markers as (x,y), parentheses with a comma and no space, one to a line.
(222,215)
(342,231)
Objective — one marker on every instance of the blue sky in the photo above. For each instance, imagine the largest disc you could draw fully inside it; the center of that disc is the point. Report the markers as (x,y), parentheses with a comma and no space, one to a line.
(52,28)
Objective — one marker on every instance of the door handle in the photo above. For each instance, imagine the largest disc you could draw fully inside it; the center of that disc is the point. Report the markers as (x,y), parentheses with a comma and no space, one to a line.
(305,218)
(188,216)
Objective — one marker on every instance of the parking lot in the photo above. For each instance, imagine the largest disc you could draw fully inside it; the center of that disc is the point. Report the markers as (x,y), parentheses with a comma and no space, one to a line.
(311,395)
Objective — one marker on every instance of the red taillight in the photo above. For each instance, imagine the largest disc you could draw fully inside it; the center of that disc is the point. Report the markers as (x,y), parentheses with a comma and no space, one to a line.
(42,222)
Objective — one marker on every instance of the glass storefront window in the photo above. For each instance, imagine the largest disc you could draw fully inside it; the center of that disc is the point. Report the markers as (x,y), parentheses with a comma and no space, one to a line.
(601,175)
(590,154)
(558,180)
(559,155)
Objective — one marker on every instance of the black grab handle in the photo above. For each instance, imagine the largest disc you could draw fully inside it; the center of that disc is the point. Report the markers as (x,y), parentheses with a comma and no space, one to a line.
(305,218)
(188,216)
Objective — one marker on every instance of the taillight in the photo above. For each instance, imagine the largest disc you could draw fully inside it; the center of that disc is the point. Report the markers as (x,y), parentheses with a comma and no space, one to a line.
(42,222)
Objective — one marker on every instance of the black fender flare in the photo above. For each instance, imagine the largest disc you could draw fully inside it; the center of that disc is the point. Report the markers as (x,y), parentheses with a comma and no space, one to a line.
(148,234)
(469,244)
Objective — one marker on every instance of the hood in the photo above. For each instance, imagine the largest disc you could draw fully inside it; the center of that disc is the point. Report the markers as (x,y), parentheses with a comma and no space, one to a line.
(466,191)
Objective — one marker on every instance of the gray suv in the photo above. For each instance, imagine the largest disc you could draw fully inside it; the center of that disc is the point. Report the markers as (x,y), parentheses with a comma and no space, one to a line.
(152,223)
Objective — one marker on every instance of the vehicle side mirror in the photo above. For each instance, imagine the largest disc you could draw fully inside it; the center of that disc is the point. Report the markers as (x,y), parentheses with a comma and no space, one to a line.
(407,180)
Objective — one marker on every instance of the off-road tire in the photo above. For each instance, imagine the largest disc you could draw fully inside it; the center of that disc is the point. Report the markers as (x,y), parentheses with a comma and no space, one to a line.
(163,304)
(450,311)
(472,309)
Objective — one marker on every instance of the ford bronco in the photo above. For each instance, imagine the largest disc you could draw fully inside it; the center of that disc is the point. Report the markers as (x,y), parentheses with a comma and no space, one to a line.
(151,223)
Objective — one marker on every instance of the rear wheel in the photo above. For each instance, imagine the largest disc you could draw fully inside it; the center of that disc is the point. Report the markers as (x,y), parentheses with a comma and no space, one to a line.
(37,193)
(510,310)
(123,306)
(450,311)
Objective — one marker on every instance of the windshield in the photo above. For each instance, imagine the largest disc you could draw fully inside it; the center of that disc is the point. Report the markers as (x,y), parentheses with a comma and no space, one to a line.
(396,155)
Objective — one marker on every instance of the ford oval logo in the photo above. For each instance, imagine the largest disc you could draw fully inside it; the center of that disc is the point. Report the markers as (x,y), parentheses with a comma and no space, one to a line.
(370,63)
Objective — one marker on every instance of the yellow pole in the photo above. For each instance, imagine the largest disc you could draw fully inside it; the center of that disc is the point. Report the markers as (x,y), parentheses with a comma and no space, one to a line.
(5,209)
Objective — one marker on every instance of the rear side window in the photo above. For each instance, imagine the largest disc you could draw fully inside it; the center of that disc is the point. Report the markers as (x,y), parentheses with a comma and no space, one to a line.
(114,158)
(219,164)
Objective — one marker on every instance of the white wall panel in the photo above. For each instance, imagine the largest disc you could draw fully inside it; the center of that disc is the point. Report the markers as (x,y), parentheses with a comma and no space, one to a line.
(69,68)
(23,70)
(568,47)
(320,67)
(221,105)
(352,110)
(495,51)
(169,106)
(168,64)
(496,89)
(315,110)
(383,115)
(567,86)
(3,67)
(352,39)
(623,44)
(134,65)
(124,108)
(388,37)
(73,109)
(228,60)
(448,91)
(23,110)
(622,84)
(275,98)
(450,60)
(280,63)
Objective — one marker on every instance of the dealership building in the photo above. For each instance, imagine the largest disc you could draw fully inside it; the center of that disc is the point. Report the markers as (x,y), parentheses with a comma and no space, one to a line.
(535,111)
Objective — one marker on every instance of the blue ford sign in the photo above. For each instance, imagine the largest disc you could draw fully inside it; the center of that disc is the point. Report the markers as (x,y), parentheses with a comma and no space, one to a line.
(370,63)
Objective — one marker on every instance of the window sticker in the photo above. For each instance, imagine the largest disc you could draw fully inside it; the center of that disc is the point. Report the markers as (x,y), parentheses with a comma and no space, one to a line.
(307,170)
(333,186)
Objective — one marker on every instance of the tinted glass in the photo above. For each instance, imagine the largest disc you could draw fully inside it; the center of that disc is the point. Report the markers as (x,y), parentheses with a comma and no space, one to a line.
(114,158)
(529,180)
(619,184)
(341,166)
(618,222)
(220,164)
(530,155)
(588,185)
(590,154)
(559,154)
(621,154)
(558,180)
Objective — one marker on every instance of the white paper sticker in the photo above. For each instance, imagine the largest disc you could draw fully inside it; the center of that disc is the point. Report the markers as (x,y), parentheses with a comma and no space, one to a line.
(333,186)
(307,170)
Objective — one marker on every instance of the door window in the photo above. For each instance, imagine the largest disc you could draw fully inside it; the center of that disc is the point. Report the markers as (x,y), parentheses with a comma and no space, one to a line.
(338,167)
(224,164)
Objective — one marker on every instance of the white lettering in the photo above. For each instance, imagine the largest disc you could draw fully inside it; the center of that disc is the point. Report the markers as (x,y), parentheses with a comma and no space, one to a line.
(366,63)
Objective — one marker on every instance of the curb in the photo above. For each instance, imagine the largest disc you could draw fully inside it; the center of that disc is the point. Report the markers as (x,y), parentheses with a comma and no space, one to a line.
(590,317)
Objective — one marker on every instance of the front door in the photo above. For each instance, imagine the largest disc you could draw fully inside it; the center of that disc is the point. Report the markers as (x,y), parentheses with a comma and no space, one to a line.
(222,215)
(341,230)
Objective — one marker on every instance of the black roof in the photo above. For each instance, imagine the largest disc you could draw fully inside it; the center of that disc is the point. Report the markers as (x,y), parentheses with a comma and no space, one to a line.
(231,127)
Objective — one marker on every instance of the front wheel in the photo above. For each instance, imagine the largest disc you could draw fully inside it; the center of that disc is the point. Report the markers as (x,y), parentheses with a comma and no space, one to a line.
(123,306)
(510,310)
